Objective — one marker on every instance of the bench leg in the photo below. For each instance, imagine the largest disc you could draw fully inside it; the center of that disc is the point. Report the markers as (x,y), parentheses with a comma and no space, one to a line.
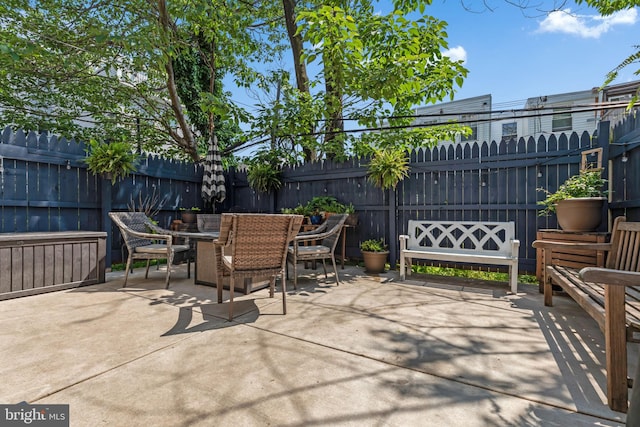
(616,347)
(548,290)
(513,278)
(402,271)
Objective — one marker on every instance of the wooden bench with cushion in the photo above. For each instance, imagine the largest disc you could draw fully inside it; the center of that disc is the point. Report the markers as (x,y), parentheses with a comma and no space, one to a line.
(610,295)
(461,241)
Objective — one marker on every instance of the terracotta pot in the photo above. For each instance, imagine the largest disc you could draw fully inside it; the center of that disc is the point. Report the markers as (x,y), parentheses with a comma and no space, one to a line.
(352,219)
(188,217)
(580,214)
(374,262)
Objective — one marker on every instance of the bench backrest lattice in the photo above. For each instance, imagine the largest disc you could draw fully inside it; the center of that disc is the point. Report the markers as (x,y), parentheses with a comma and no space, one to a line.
(477,242)
(454,236)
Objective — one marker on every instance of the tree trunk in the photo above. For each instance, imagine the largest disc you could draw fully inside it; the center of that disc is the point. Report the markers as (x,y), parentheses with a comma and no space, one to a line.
(302,79)
(187,139)
(333,100)
(295,39)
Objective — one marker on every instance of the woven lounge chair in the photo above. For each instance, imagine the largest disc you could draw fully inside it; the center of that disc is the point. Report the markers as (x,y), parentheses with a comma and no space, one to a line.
(253,246)
(318,244)
(147,241)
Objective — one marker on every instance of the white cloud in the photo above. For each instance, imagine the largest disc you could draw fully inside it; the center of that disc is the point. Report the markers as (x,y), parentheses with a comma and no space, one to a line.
(456,54)
(564,21)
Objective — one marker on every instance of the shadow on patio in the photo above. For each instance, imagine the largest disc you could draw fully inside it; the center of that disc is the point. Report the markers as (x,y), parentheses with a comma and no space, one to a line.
(370,351)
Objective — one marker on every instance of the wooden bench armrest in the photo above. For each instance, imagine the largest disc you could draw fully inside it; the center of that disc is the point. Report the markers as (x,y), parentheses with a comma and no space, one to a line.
(547,244)
(608,276)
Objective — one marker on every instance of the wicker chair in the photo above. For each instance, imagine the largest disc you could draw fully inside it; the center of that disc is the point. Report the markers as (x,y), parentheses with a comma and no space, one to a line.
(317,244)
(253,246)
(143,238)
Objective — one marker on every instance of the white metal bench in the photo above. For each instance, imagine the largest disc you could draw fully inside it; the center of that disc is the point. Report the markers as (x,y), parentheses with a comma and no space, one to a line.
(491,243)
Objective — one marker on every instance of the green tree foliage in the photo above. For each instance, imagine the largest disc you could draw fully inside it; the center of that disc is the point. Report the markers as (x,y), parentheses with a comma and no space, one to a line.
(374,66)
(608,7)
(149,72)
(96,69)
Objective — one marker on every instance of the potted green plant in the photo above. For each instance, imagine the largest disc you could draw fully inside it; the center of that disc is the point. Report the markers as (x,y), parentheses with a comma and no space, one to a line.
(374,254)
(321,207)
(264,177)
(189,215)
(388,167)
(315,217)
(113,160)
(298,210)
(578,201)
(352,218)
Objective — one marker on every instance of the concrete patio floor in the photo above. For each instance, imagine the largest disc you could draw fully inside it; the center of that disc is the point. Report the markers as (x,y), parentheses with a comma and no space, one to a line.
(372,351)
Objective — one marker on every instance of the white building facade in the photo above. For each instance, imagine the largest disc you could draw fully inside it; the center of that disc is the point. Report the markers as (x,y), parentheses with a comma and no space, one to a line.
(579,112)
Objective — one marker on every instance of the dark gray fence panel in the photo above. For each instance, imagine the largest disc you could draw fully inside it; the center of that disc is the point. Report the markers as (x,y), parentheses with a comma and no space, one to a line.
(490,181)
(625,177)
(44,186)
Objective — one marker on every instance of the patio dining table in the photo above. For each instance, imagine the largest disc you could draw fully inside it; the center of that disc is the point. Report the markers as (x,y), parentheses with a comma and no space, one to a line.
(200,243)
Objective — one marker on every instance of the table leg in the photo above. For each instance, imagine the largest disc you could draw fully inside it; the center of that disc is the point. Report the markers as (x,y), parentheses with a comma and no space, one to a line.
(344,240)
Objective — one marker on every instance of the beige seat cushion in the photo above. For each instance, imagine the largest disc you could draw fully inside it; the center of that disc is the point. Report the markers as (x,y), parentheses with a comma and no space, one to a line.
(158,248)
(311,250)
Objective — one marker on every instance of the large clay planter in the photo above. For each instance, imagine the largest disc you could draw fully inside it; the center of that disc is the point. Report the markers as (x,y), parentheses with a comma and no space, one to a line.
(580,214)
(374,262)
(352,219)
(188,217)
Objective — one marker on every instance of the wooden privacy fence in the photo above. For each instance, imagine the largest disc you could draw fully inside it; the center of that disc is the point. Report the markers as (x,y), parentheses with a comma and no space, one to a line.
(495,181)
(45,186)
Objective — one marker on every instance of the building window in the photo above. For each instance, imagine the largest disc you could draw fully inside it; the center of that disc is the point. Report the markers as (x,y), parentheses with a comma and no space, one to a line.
(561,119)
(509,131)
(466,121)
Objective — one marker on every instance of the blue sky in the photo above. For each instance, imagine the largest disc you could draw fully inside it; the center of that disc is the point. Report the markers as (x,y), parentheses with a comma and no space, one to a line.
(514,54)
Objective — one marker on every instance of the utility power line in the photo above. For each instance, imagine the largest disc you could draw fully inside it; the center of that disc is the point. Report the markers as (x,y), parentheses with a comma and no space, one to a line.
(521,113)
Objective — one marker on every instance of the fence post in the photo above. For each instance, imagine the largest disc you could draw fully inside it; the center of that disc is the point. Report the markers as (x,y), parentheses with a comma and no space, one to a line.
(105,208)
(604,130)
(393,247)
(274,203)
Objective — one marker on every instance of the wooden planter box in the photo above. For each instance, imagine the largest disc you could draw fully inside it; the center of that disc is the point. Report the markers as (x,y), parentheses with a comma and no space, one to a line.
(33,263)
(570,258)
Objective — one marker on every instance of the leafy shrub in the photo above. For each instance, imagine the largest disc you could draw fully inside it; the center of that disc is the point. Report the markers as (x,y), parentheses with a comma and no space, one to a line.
(588,183)
(373,245)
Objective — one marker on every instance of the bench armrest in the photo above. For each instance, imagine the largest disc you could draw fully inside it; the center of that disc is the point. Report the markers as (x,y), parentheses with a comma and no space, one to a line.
(311,237)
(316,230)
(404,238)
(608,276)
(151,236)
